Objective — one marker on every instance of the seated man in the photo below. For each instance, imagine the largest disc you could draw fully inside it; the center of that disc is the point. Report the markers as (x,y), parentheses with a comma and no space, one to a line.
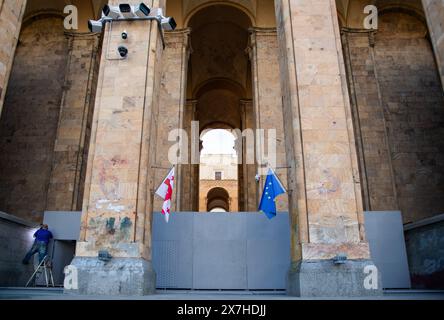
(42,237)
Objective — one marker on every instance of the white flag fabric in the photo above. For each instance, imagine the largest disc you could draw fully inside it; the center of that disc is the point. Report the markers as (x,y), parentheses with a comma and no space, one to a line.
(165,191)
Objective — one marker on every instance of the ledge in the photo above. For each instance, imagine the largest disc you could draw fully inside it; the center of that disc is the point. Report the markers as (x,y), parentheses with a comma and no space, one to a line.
(424,222)
(16,220)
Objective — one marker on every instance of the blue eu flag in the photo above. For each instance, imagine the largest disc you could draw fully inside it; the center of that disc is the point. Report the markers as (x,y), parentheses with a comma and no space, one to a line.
(272,188)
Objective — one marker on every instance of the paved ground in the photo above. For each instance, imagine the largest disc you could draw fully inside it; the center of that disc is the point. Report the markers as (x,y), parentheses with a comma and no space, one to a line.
(57,294)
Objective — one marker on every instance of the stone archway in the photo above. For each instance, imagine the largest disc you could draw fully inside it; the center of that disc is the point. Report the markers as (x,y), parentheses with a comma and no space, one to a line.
(219,84)
(218,198)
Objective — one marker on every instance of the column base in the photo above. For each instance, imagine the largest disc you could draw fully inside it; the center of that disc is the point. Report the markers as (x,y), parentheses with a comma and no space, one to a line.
(119,276)
(323,278)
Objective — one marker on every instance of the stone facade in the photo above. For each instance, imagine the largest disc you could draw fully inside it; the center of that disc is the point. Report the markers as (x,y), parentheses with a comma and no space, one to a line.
(74,126)
(358,118)
(397,101)
(30,118)
(11,15)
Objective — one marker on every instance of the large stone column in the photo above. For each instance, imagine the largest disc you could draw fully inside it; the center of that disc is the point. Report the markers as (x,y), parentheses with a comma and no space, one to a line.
(434,10)
(267,102)
(171,112)
(325,200)
(117,208)
(11,15)
(73,132)
(189,184)
(249,184)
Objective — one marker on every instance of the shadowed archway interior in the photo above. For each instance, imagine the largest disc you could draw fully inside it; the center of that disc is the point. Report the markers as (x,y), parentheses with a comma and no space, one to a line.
(219,75)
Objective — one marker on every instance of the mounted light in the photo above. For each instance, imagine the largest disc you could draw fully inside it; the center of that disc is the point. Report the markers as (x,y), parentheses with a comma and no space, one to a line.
(341,258)
(95,26)
(168,23)
(142,10)
(104,255)
(126,10)
(112,12)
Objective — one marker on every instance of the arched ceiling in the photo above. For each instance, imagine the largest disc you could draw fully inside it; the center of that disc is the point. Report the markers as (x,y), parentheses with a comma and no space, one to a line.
(260,12)
(88,9)
(351,12)
(219,38)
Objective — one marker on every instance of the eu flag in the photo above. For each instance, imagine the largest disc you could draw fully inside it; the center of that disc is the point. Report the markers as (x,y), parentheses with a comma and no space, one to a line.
(272,188)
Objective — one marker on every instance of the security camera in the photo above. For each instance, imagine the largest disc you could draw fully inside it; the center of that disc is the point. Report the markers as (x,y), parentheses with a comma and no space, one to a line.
(95,26)
(124,35)
(123,51)
(168,23)
(142,10)
(126,10)
(112,12)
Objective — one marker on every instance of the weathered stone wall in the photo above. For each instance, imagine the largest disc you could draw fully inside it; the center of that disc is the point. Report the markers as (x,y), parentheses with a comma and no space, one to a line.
(379,191)
(30,117)
(399,112)
(70,150)
(413,101)
(11,14)
(16,239)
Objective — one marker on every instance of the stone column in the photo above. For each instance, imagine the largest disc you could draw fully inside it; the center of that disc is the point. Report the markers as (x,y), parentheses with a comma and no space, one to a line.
(172,108)
(434,11)
(117,206)
(190,192)
(325,199)
(267,101)
(73,132)
(11,15)
(249,184)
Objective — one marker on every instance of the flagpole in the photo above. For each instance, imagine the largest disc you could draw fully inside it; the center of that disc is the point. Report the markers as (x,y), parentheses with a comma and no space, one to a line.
(279,180)
(163,168)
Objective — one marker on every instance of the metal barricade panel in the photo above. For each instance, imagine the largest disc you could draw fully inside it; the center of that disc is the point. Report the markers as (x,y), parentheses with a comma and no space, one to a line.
(243,251)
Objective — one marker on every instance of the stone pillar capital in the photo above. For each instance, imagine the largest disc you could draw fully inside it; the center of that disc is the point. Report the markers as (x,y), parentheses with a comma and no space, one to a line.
(180,37)
(364,32)
(245,103)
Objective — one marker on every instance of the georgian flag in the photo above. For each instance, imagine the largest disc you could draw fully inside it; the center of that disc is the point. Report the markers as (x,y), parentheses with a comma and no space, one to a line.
(165,191)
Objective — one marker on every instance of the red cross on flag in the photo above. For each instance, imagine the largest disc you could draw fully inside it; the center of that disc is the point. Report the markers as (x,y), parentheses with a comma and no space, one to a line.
(165,191)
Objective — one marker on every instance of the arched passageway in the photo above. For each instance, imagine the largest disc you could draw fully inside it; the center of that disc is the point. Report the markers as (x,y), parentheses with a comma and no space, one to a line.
(218,198)
(219,85)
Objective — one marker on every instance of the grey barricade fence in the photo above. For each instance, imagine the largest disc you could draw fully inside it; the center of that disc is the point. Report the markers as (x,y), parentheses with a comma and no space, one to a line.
(221,251)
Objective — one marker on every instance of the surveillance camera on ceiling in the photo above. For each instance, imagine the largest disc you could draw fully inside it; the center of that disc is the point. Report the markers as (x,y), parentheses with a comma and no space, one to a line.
(123,51)
(95,26)
(142,10)
(168,23)
(112,12)
(126,10)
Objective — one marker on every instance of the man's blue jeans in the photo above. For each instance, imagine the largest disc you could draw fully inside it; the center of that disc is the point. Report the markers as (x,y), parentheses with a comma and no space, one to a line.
(38,246)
